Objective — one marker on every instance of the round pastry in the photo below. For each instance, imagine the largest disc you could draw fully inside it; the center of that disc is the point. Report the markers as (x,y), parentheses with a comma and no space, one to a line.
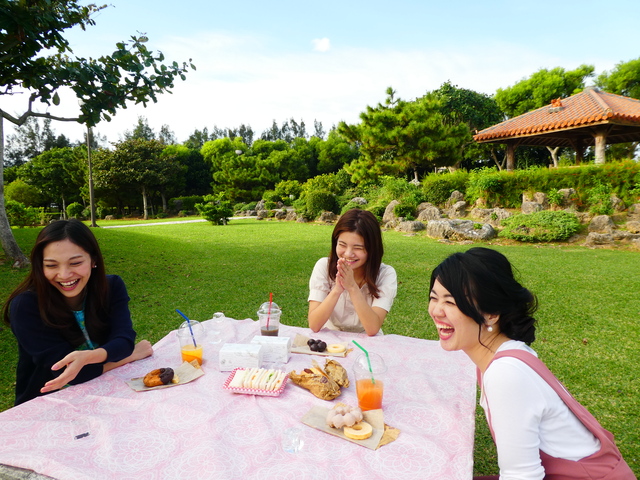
(157,377)
(343,415)
(336,348)
(360,431)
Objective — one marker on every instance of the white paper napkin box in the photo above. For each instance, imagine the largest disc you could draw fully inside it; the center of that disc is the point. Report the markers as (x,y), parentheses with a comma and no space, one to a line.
(274,349)
(240,355)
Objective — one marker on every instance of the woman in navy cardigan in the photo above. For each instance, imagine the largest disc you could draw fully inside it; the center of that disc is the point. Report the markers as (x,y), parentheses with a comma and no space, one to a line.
(71,320)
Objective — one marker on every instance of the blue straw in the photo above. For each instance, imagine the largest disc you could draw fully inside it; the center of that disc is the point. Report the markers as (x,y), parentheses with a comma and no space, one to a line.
(190,329)
(368,360)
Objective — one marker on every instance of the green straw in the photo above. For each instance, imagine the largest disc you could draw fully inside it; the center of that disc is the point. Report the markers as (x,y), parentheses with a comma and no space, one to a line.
(368,360)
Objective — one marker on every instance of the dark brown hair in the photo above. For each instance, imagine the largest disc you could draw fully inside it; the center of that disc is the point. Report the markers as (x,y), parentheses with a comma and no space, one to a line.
(366,225)
(53,308)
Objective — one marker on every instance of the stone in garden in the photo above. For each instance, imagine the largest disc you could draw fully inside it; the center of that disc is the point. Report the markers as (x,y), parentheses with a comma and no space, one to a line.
(262,214)
(566,195)
(389,215)
(634,212)
(621,235)
(530,207)
(328,217)
(455,197)
(423,205)
(458,210)
(430,212)
(109,217)
(410,226)
(492,216)
(301,219)
(291,215)
(541,198)
(633,226)
(251,213)
(359,200)
(598,239)
(260,205)
(617,204)
(602,224)
(280,215)
(459,230)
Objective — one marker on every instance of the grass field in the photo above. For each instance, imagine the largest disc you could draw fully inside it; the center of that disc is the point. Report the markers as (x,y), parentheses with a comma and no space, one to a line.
(588,320)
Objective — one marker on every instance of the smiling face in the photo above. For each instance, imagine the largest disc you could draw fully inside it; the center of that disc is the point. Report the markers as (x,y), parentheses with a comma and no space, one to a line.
(456,330)
(68,268)
(350,246)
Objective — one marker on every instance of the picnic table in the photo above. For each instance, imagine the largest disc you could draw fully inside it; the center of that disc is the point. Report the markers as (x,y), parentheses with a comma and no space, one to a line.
(103,429)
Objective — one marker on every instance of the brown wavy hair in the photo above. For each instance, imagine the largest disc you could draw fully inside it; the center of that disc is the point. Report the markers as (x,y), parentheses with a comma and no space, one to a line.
(366,225)
(53,308)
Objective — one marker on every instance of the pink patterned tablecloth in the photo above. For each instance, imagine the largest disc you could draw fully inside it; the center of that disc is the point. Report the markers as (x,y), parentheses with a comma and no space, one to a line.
(200,431)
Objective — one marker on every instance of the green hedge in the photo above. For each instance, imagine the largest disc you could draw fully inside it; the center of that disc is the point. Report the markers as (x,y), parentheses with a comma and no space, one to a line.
(544,226)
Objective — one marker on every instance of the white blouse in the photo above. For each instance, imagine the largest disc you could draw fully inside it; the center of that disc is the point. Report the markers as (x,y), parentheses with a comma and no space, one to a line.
(528,416)
(344,316)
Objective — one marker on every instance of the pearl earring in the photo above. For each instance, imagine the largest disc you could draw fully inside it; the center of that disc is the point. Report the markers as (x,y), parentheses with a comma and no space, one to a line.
(490,328)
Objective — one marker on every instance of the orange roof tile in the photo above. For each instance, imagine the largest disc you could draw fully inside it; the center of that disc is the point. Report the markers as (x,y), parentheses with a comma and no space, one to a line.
(570,118)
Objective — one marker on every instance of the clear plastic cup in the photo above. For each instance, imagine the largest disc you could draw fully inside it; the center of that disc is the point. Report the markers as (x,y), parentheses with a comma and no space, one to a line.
(370,384)
(269,319)
(191,341)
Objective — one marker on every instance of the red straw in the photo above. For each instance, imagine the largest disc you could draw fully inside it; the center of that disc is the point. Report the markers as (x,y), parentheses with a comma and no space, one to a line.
(269,314)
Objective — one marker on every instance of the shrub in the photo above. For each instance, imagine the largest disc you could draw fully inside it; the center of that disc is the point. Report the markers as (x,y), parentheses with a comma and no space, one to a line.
(288,187)
(250,206)
(554,197)
(349,206)
(215,209)
(544,226)
(270,196)
(405,210)
(269,205)
(438,187)
(185,203)
(599,199)
(21,216)
(320,201)
(378,211)
(74,210)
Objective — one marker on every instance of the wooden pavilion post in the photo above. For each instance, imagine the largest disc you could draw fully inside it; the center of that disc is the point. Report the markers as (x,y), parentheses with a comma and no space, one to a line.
(600,137)
(511,156)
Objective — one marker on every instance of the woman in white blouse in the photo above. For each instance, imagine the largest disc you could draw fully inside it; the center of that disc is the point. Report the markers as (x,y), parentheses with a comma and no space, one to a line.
(352,290)
(540,431)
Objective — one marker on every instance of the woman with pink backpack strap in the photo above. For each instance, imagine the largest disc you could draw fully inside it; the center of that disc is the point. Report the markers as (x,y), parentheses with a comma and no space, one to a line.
(540,430)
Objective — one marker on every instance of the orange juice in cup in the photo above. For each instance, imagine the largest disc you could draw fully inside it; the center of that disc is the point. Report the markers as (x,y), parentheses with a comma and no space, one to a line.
(369,393)
(370,375)
(191,337)
(189,353)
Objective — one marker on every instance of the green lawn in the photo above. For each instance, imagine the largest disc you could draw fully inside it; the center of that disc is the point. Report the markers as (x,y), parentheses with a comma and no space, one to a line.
(588,332)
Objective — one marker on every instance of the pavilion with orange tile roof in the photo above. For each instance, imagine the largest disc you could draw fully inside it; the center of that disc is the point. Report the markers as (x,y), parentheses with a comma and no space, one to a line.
(591,117)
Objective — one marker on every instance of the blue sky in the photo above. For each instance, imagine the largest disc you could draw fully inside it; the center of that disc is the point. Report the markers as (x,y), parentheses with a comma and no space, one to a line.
(261,61)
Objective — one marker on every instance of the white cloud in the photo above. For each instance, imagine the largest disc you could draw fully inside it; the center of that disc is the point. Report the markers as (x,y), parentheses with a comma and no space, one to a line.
(321,44)
(246,80)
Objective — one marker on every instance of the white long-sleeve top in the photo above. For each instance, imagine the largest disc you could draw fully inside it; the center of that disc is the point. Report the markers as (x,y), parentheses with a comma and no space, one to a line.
(528,416)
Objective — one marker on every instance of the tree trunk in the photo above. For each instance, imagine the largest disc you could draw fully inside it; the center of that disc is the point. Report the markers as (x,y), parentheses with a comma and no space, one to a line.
(64,209)
(145,207)
(554,155)
(495,159)
(164,202)
(9,244)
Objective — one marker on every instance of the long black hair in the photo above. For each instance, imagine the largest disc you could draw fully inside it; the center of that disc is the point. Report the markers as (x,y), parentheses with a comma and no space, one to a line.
(365,224)
(53,308)
(482,282)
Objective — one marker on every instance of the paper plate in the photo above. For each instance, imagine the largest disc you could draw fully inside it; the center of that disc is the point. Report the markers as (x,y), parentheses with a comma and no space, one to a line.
(254,391)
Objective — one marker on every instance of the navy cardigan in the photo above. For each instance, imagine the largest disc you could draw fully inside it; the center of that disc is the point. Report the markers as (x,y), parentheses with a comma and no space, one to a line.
(40,346)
